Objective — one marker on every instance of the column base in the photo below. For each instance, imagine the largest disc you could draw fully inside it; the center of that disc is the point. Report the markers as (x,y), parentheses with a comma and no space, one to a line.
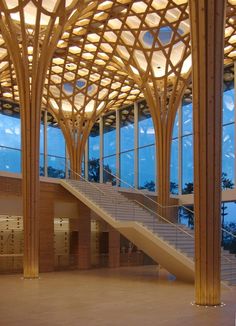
(30,278)
(220,305)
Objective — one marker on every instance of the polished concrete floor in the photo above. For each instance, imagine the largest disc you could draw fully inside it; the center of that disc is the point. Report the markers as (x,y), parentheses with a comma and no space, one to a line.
(107,297)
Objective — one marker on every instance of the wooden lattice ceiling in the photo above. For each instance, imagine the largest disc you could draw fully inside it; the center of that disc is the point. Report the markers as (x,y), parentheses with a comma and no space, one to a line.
(108,52)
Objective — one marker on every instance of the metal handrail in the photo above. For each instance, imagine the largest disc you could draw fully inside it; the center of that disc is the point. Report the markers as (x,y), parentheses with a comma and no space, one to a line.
(135,189)
(11,148)
(230,233)
(190,235)
(167,221)
(92,184)
(175,226)
(141,192)
(167,206)
(89,182)
(185,207)
(163,218)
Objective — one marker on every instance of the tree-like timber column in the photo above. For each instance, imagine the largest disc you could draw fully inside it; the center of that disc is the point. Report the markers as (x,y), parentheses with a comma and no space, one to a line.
(76,137)
(76,130)
(31,39)
(163,108)
(76,151)
(207,30)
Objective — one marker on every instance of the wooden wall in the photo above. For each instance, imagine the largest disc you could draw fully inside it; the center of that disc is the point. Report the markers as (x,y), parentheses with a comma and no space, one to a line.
(54,199)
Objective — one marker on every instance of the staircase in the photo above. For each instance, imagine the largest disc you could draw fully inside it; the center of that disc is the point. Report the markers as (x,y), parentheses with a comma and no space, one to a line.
(169,244)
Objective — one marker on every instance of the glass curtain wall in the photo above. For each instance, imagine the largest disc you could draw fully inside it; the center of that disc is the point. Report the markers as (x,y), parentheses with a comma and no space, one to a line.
(228,137)
(94,154)
(109,148)
(41,147)
(127,146)
(146,149)
(52,143)
(174,162)
(10,139)
(187,146)
(56,162)
(52,148)
(124,142)
(182,140)
(181,168)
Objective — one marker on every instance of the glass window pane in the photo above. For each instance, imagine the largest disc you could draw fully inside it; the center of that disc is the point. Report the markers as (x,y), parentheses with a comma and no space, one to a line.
(93,170)
(228,210)
(228,106)
(127,129)
(41,138)
(228,96)
(175,132)
(10,131)
(56,167)
(146,164)
(228,222)
(55,142)
(109,165)
(187,165)
(82,166)
(41,165)
(94,143)
(146,133)
(127,168)
(10,160)
(174,166)
(109,135)
(187,119)
(228,149)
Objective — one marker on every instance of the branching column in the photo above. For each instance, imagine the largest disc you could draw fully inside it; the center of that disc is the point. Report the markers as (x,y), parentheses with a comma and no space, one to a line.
(75,150)
(207,29)
(31,47)
(163,110)
(76,136)
(163,165)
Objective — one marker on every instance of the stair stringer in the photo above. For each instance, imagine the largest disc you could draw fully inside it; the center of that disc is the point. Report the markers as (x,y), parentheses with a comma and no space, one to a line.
(159,250)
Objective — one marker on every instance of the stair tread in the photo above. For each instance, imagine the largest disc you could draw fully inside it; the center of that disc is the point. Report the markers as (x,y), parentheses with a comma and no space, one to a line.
(110,199)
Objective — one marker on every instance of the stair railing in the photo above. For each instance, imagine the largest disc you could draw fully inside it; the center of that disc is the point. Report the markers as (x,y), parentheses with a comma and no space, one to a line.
(140,192)
(233,236)
(229,233)
(163,218)
(88,182)
(176,227)
(178,238)
(102,193)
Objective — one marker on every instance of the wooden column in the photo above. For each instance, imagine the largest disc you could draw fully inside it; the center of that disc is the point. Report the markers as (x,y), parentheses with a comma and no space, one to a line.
(207,30)
(76,142)
(114,248)
(84,226)
(163,111)
(163,167)
(75,162)
(46,229)
(31,69)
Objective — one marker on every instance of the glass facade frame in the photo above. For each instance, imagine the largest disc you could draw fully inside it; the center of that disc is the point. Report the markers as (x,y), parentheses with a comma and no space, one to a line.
(117,156)
(185,133)
(59,159)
